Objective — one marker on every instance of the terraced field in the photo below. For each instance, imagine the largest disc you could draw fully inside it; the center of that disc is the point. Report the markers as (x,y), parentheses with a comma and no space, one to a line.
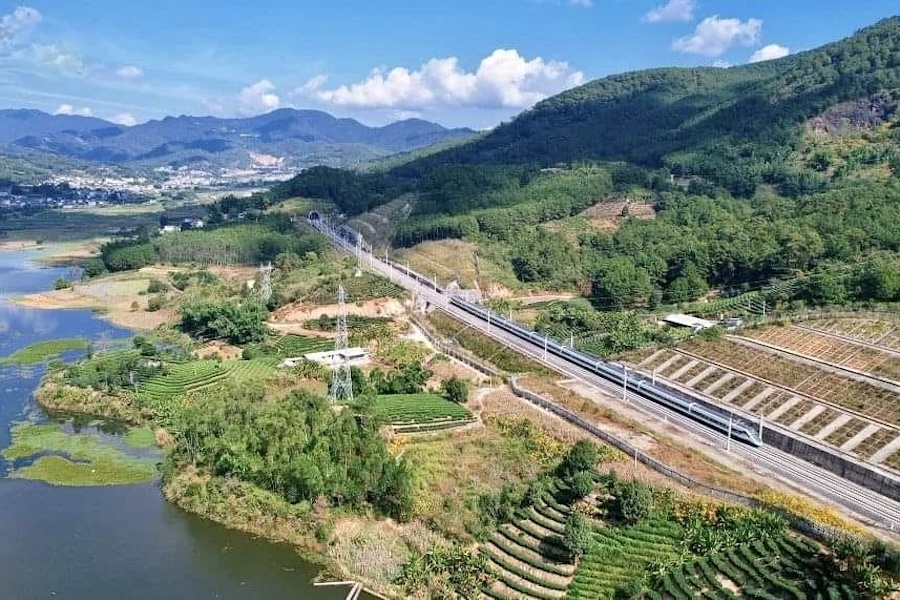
(870,331)
(418,413)
(297,345)
(857,396)
(831,350)
(182,378)
(782,567)
(801,410)
(621,554)
(527,557)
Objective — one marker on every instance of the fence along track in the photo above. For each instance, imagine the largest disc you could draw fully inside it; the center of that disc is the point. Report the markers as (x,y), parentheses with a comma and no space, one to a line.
(797,522)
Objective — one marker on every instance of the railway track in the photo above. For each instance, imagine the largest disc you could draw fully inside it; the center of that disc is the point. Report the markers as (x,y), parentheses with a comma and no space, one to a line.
(867,505)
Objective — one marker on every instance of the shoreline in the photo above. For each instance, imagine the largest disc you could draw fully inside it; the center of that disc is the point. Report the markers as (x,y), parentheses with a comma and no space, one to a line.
(239,506)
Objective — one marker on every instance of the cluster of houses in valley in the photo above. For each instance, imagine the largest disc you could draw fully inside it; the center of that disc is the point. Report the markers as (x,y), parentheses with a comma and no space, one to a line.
(184,225)
(46,196)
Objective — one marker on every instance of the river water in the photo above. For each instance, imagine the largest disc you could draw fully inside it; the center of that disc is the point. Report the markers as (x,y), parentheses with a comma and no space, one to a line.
(118,542)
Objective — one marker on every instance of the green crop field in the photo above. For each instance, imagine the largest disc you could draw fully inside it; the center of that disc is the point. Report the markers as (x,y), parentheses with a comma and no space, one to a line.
(527,556)
(621,554)
(365,287)
(782,567)
(298,345)
(421,410)
(190,376)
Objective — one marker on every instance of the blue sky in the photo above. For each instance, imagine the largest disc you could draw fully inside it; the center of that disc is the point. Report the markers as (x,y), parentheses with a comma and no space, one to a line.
(461,63)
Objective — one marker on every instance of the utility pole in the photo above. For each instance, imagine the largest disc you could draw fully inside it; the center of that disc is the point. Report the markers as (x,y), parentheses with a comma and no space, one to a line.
(545,346)
(730,420)
(341,381)
(654,376)
(624,383)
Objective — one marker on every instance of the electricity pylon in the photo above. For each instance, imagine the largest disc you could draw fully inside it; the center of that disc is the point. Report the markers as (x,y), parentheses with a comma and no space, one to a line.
(341,382)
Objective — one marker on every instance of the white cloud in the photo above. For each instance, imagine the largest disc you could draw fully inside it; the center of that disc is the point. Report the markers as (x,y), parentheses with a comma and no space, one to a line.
(259,97)
(770,52)
(584,3)
(673,10)
(130,72)
(721,64)
(713,36)
(68,109)
(22,18)
(59,58)
(213,106)
(124,118)
(503,80)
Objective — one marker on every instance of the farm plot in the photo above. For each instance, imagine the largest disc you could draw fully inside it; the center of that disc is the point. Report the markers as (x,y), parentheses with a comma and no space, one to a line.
(620,554)
(861,397)
(365,287)
(806,342)
(870,331)
(181,378)
(857,396)
(831,350)
(527,557)
(416,413)
(782,567)
(875,442)
(297,345)
(764,365)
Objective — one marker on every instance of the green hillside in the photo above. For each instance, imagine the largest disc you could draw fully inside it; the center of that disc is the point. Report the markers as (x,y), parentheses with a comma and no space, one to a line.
(736,126)
(661,186)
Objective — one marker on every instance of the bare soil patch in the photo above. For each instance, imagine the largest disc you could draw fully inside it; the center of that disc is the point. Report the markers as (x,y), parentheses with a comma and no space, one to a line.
(298,312)
(220,349)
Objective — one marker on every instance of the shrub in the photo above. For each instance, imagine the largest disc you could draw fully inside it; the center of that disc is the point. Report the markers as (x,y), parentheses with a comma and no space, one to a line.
(61,284)
(582,484)
(156,303)
(633,502)
(92,267)
(582,456)
(156,286)
(455,389)
(578,534)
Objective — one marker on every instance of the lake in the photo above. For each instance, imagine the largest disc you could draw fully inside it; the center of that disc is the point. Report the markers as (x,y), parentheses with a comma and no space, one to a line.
(117,542)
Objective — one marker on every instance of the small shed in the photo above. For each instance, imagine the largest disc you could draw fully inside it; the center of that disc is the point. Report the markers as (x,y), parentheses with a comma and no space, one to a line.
(332,358)
(695,323)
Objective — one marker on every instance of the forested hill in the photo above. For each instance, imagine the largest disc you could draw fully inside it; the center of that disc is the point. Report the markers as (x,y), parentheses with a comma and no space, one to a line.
(736,127)
(719,180)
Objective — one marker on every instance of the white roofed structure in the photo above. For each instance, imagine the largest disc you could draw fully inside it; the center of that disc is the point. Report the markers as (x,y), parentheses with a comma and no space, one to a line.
(688,321)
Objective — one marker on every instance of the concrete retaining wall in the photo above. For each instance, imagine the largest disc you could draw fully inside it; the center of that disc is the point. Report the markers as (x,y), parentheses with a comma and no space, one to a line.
(839,465)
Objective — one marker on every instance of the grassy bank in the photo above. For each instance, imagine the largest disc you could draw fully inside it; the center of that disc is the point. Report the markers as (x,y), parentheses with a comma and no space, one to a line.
(54,395)
(76,460)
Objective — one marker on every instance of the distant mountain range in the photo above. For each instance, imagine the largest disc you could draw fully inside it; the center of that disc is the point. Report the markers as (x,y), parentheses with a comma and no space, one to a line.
(284,138)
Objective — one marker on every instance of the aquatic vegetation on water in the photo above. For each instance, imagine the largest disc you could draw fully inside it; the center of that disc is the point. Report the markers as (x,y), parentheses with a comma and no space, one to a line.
(58,470)
(140,437)
(66,459)
(43,351)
